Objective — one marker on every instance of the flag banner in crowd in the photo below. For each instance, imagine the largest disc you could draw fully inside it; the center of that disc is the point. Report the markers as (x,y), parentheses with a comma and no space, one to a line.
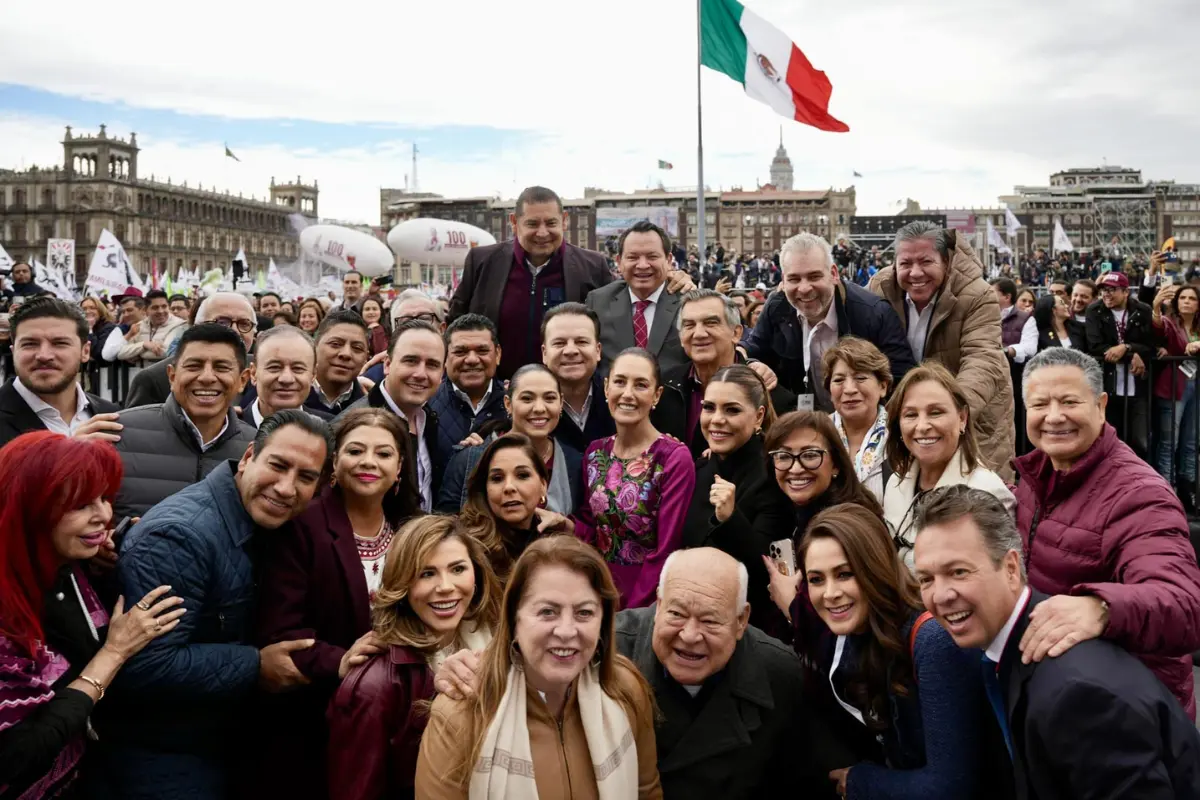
(993,237)
(52,282)
(110,270)
(615,221)
(6,262)
(229,154)
(1011,223)
(665,164)
(60,254)
(772,70)
(155,282)
(1062,244)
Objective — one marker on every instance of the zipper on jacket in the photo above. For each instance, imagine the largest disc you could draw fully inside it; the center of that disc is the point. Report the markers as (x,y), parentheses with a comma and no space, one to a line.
(221,621)
(562,744)
(1037,516)
(529,334)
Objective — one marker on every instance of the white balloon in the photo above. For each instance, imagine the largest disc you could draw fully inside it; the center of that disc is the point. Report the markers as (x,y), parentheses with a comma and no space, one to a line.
(347,249)
(439,242)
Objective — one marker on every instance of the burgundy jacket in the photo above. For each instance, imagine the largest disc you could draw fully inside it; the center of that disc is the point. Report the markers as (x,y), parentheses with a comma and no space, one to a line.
(376,728)
(312,587)
(1112,528)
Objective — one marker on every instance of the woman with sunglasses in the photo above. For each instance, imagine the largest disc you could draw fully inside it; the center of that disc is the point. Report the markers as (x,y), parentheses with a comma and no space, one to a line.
(932,442)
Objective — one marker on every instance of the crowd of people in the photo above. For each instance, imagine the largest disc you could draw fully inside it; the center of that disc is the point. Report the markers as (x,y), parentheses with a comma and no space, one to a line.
(592,534)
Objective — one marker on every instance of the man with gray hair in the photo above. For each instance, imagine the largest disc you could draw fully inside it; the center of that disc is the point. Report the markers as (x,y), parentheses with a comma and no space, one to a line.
(733,723)
(1088,721)
(814,308)
(1102,531)
(229,309)
(282,375)
(951,316)
(710,327)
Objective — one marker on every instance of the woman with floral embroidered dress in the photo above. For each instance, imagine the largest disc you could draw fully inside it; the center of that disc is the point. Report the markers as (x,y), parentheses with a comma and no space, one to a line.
(638,483)
(59,649)
(857,377)
(317,584)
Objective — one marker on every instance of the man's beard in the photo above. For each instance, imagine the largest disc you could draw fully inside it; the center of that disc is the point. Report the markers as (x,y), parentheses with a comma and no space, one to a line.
(41,389)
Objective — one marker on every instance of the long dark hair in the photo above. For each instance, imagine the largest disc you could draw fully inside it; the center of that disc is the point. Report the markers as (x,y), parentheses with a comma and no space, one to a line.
(845,486)
(892,599)
(1043,315)
(405,500)
(1178,317)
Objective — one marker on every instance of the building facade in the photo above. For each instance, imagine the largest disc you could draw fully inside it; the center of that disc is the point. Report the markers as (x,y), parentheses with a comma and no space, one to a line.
(98,187)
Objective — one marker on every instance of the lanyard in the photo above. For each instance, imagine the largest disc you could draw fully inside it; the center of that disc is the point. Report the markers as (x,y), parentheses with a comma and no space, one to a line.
(86,614)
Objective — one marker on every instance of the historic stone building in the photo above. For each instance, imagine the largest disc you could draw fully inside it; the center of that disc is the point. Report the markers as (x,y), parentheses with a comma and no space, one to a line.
(781,168)
(98,187)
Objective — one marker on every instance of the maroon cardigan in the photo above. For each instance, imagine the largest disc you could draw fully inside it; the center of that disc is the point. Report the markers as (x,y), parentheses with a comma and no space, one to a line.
(376,728)
(312,587)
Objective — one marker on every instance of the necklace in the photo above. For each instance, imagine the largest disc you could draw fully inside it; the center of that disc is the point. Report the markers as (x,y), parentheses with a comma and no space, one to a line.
(373,550)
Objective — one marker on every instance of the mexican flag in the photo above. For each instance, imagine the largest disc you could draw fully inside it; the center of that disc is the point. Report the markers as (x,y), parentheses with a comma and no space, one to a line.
(747,48)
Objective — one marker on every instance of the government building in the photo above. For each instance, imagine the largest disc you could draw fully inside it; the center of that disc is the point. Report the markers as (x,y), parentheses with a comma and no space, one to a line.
(175,225)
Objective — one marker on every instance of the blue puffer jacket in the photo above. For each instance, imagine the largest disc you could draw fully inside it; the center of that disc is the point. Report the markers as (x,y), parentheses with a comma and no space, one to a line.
(182,697)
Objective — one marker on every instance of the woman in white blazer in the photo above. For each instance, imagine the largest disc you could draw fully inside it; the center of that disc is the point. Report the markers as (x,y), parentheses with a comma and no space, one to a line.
(932,442)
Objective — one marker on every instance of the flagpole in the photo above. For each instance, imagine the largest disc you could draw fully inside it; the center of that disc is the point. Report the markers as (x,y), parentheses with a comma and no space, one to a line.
(701,211)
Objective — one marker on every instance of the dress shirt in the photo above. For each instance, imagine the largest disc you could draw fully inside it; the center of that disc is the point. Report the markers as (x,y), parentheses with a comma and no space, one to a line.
(205,446)
(817,339)
(336,402)
(918,326)
(580,418)
(424,462)
(466,398)
(49,415)
(995,650)
(649,312)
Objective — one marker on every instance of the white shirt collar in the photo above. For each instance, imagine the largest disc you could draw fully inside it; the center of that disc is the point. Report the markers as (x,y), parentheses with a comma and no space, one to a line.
(41,407)
(1005,312)
(830,320)
(205,446)
(418,419)
(912,307)
(995,650)
(466,398)
(653,298)
(256,413)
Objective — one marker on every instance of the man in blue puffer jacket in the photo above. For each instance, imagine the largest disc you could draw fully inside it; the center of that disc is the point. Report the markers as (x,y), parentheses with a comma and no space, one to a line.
(176,718)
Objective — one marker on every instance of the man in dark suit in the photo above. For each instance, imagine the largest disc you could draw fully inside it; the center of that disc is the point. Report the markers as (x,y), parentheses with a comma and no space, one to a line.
(639,310)
(50,344)
(815,308)
(1088,720)
(571,350)
(537,268)
(1120,335)
(281,377)
(414,373)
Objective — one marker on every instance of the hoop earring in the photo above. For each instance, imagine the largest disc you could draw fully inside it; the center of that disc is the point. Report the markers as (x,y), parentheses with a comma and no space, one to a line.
(514,655)
(543,500)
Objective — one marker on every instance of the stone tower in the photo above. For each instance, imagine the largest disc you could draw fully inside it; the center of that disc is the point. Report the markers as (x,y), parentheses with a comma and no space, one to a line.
(781,167)
(298,196)
(101,157)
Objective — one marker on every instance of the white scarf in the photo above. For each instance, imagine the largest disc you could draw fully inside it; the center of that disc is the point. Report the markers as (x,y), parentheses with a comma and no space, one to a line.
(505,767)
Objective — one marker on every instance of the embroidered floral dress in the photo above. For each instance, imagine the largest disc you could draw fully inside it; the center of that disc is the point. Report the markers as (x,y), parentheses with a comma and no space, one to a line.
(633,511)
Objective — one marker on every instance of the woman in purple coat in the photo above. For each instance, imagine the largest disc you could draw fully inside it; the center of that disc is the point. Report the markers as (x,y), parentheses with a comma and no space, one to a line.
(638,483)
(317,583)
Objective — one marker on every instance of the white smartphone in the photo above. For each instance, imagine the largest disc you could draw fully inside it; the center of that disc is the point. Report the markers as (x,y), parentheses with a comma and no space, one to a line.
(783,553)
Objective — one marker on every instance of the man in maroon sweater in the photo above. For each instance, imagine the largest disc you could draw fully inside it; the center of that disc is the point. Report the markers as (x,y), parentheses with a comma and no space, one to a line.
(515,282)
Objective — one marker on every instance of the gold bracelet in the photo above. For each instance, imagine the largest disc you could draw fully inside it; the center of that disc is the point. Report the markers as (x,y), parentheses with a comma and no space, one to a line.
(97,685)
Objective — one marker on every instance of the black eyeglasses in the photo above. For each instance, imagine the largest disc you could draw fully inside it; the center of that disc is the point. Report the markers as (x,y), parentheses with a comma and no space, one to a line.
(810,459)
(243,326)
(427,317)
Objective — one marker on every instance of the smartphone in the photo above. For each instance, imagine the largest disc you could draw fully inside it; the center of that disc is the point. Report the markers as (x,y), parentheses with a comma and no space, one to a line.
(783,553)
(122,528)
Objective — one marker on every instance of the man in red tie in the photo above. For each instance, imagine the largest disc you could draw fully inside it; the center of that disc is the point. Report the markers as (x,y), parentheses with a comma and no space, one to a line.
(640,309)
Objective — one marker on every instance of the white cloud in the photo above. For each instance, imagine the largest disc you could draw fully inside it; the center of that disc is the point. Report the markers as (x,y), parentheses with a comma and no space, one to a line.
(949,103)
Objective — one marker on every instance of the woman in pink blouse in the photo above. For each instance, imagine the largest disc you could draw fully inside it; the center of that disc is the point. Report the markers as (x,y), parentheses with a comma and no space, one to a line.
(638,484)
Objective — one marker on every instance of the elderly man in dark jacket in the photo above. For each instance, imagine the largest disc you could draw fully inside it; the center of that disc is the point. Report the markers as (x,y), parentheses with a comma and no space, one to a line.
(168,446)
(177,718)
(1102,531)
(814,308)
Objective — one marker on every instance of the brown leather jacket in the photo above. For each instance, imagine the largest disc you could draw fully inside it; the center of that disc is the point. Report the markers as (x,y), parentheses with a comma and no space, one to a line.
(562,764)
(374,729)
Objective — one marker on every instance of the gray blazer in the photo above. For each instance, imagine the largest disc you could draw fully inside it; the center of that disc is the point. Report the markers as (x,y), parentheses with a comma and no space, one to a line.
(612,304)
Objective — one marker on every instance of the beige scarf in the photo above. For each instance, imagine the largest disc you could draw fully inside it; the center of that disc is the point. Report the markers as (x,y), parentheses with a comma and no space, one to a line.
(505,768)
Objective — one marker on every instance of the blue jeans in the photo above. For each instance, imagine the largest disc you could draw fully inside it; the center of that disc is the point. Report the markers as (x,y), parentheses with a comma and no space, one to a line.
(1175,456)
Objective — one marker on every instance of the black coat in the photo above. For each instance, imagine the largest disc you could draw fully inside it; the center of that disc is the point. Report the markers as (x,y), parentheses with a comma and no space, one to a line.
(599,422)
(762,513)
(1095,722)
(151,385)
(1102,334)
(671,414)
(778,340)
(16,417)
(746,735)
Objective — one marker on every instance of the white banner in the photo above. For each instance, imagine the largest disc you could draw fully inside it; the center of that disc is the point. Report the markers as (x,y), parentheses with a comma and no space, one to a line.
(52,281)
(6,262)
(110,270)
(60,254)
(993,238)
(1011,223)
(1061,243)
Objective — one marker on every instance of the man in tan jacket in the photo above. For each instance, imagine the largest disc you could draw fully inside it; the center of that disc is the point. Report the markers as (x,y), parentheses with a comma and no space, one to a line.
(147,341)
(951,316)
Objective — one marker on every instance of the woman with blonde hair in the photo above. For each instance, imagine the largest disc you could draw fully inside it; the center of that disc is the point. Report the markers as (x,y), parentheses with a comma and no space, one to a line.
(438,595)
(309,315)
(554,698)
(932,442)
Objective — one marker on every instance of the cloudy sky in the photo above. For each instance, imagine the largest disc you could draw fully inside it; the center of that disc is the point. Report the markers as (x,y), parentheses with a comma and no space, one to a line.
(950,103)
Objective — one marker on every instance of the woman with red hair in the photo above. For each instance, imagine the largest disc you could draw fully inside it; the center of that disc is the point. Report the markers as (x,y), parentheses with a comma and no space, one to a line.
(59,649)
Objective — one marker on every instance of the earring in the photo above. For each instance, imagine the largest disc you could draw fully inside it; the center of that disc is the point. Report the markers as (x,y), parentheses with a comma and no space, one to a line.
(598,656)
(396,487)
(514,655)
(543,500)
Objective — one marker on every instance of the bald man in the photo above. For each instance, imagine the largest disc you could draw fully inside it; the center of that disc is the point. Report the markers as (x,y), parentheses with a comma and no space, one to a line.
(733,724)
(230,309)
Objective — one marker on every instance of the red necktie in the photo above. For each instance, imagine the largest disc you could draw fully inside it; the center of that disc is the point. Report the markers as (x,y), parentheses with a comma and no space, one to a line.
(641,336)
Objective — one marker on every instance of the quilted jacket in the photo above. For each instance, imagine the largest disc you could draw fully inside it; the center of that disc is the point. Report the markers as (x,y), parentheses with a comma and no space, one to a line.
(185,692)
(1111,527)
(161,454)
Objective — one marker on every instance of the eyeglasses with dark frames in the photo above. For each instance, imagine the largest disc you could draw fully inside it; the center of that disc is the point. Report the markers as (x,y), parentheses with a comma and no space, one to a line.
(810,458)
